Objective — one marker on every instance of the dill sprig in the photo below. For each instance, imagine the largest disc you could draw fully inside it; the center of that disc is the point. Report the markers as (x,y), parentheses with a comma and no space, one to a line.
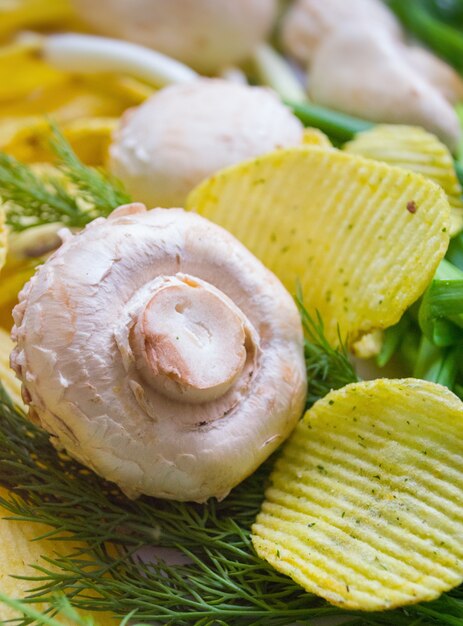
(220,580)
(101,191)
(327,367)
(74,196)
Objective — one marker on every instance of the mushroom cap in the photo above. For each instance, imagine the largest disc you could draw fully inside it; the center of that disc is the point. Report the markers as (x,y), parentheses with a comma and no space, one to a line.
(185,133)
(205,34)
(309,22)
(388,90)
(158,351)
(436,71)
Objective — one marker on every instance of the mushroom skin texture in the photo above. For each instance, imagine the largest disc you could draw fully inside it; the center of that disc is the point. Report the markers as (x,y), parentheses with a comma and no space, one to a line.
(308,23)
(205,34)
(361,71)
(158,351)
(185,133)
(437,72)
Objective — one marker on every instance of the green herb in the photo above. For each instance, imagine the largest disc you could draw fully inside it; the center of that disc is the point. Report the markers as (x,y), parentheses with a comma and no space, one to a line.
(442,38)
(429,337)
(101,191)
(223,582)
(74,197)
(327,367)
(339,126)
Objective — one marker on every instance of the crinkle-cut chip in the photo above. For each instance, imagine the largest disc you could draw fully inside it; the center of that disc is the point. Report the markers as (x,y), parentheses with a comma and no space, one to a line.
(362,238)
(90,138)
(7,377)
(3,240)
(22,14)
(72,98)
(364,503)
(368,345)
(28,138)
(315,137)
(413,148)
(22,71)
(20,551)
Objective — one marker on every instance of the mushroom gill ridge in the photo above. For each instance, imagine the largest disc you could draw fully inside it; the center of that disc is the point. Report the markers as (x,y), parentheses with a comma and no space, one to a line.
(159,352)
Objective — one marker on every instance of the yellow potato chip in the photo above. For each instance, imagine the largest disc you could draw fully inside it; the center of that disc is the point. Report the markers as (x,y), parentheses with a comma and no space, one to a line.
(364,504)
(20,551)
(7,376)
(90,138)
(20,14)
(315,137)
(415,149)
(362,238)
(22,72)
(13,277)
(3,241)
(28,138)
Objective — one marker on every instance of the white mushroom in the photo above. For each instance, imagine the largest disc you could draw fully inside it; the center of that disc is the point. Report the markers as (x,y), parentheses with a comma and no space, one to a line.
(310,22)
(160,352)
(185,133)
(206,34)
(361,71)
(437,72)
(360,64)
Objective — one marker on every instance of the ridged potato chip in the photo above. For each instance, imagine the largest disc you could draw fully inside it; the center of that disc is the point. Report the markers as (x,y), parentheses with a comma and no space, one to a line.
(20,14)
(413,148)
(28,138)
(7,377)
(315,137)
(3,240)
(19,552)
(22,72)
(362,238)
(364,504)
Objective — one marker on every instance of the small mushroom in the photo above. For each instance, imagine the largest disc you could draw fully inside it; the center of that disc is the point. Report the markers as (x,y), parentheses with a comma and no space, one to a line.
(437,72)
(361,71)
(158,351)
(185,133)
(360,63)
(206,34)
(308,23)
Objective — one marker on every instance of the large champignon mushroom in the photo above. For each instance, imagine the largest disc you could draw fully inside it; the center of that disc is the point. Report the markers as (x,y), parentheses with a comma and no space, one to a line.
(206,34)
(308,23)
(157,350)
(185,133)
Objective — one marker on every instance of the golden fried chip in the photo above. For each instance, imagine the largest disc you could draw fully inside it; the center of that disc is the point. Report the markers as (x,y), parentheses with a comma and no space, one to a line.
(363,238)
(364,507)
(28,138)
(3,241)
(20,14)
(7,376)
(315,137)
(22,72)
(415,149)
(20,551)
(90,138)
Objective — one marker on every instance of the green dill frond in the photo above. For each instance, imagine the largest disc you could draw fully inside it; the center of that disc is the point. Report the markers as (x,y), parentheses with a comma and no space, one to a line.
(327,367)
(100,190)
(74,197)
(33,200)
(61,608)
(220,579)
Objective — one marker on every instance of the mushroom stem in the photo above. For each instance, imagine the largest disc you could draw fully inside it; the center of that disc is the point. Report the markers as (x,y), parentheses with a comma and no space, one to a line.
(190,341)
(90,54)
